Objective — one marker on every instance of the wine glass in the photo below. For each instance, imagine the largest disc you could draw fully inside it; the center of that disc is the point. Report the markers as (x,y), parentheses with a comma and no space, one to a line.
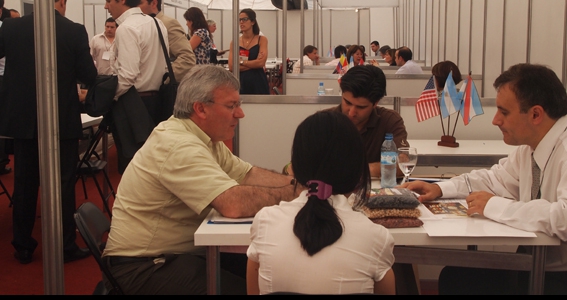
(407,159)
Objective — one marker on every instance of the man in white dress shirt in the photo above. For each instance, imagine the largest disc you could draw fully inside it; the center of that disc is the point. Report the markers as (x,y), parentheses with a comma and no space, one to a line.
(140,63)
(102,48)
(404,60)
(526,190)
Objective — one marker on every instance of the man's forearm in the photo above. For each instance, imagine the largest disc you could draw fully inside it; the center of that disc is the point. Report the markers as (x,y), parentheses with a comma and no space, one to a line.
(262,177)
(246,200)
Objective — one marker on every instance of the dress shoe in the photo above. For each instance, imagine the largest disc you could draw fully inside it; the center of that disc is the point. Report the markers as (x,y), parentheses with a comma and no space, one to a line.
(24,256)
(76,255)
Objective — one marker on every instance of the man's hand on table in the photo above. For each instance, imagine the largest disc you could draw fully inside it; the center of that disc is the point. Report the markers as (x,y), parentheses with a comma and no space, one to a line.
(427,191)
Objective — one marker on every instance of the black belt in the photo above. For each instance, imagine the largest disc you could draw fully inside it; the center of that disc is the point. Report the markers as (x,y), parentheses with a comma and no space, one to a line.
(148,94)
(121,260)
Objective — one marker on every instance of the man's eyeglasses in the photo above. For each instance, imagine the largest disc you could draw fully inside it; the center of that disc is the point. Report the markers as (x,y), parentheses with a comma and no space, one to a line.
(243,19)
(230,107)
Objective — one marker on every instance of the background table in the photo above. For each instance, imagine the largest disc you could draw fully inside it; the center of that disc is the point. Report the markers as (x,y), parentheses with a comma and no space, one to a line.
(470,153)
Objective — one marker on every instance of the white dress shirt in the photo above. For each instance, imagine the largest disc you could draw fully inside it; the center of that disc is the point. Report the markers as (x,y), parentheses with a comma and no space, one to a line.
(306,62)
(102,51)
(361,256)
(410,67)
(511,179)
(139,57)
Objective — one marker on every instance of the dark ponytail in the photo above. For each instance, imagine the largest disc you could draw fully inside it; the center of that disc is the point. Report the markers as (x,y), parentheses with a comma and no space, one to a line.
(327,147)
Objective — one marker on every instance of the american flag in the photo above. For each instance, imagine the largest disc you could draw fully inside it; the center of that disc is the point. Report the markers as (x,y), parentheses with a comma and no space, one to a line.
(427,105)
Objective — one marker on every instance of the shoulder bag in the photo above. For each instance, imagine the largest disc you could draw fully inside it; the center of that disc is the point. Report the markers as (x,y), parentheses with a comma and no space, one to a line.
(168,89)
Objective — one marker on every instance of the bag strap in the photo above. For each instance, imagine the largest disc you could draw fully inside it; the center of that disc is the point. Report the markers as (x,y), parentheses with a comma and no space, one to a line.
(165,54)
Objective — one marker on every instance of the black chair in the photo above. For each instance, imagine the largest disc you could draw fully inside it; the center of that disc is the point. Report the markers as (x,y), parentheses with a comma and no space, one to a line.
(94,226)
(91,164)
(5,191)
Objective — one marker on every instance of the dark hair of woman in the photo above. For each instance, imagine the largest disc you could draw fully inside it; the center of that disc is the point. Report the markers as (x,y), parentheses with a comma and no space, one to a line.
(392,53)
(383,49)
(195,15)
(327,147)
(252,16)
(441,71)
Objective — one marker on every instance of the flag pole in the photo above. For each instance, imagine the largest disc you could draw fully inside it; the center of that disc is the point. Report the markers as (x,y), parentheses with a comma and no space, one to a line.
(462,103)
(440,116)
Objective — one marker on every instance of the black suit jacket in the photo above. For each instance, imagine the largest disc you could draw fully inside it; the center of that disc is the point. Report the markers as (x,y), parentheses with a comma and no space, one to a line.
(18,107)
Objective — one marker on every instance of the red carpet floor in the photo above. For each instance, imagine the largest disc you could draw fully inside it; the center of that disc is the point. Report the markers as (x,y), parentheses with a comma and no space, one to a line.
(80,276)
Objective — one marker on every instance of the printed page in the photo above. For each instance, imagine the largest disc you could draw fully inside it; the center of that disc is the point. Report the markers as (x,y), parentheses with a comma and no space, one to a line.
(449,208)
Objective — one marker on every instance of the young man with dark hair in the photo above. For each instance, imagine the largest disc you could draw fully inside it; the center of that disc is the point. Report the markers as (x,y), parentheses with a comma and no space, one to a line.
(102,48)
(526,190)
(375,46)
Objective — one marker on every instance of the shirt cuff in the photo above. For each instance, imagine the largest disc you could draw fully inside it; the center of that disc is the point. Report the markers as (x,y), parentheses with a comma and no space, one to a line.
(495,207)
(448,189)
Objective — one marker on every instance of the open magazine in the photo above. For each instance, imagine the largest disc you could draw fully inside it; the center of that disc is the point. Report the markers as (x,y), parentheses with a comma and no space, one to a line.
(449,208)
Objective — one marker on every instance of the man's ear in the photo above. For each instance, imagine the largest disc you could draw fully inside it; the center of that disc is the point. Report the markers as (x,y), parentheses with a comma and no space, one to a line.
(199,109)
(537,114)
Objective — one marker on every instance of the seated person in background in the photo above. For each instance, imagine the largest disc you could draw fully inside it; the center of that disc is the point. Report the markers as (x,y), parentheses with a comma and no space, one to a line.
(317,243)
(404,60)
(526,190)
(382,51)
(362,87)
(375,46)
(339,50)
(357,54)
(440,72)
(389,57)
(181,172)
(310,58)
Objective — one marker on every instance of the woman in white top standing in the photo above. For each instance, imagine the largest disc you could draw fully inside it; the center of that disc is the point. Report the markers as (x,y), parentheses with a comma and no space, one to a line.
(320,243)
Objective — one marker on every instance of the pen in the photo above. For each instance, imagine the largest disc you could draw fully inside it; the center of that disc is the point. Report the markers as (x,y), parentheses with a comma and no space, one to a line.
(468,183)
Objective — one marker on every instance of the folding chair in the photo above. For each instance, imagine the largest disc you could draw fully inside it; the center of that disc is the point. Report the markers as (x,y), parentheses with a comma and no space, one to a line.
(94,226)
(91,164)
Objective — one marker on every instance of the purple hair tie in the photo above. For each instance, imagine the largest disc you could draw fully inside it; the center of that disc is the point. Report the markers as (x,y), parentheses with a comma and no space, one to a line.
(320,189)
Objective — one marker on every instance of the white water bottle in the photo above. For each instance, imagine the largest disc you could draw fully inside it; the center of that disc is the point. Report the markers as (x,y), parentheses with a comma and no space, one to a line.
(388,162)
(321,89)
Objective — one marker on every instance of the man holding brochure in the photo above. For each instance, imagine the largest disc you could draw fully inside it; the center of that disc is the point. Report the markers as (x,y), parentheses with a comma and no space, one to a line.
(527,190)
(182,172)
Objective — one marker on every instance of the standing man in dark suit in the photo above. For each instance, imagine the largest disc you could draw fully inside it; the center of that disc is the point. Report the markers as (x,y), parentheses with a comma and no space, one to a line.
(18,119)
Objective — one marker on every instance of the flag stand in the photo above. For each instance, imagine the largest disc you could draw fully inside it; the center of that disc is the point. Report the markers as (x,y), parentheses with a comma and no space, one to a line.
(448,141)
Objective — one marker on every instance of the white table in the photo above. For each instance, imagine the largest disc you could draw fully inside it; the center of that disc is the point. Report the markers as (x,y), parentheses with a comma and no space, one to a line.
(236,238)
(470,153)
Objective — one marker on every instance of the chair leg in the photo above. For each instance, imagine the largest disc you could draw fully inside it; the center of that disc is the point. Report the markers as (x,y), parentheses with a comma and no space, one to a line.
(84,187)
(112,192)
(5,191)
(104,200)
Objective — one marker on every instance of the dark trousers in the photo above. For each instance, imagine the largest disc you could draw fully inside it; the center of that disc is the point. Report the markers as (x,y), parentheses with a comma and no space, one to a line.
(26,187)
(4,160)
(152,104)
(183,274)
(473,281)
